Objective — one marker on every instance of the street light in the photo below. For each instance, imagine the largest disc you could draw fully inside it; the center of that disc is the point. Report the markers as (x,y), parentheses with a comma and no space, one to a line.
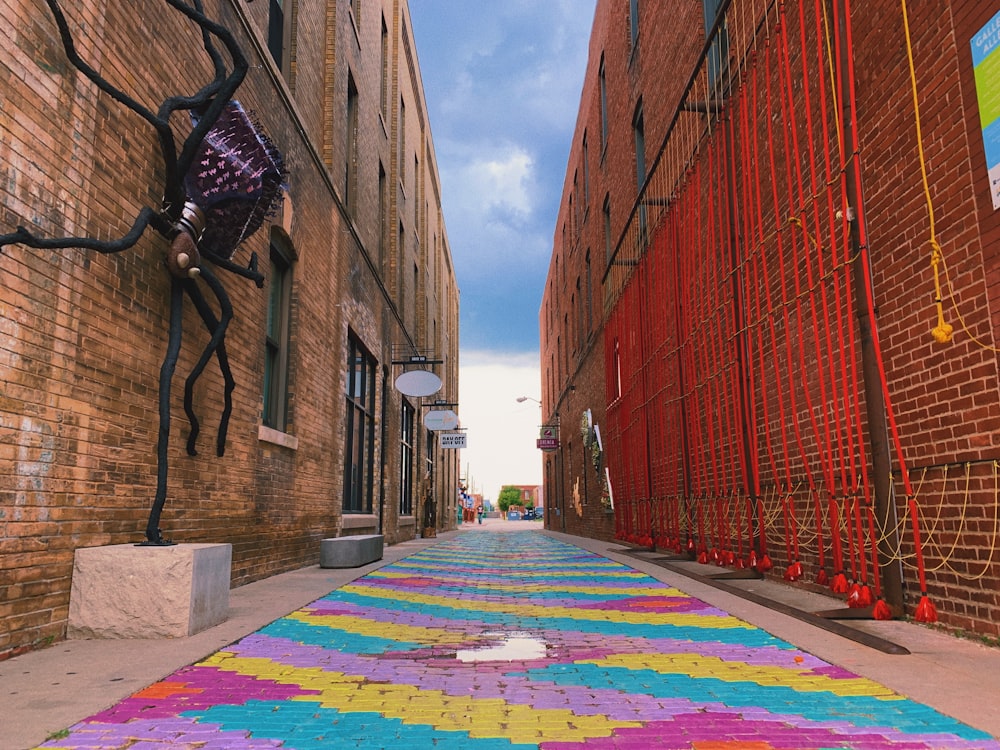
(522,399)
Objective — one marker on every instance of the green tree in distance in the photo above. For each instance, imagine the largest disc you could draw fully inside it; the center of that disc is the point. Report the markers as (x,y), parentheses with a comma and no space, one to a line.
(508,496)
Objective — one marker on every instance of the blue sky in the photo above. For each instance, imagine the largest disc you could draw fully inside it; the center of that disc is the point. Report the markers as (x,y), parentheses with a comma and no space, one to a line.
(502,79)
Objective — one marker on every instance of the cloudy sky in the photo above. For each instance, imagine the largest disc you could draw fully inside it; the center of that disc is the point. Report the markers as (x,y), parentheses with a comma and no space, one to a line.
(502,81)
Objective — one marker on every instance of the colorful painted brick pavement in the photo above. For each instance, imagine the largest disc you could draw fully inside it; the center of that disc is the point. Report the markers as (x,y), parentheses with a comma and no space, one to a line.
(514,640)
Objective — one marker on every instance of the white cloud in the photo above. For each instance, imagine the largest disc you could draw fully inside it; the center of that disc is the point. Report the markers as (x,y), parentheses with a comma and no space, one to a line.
(502,81)
(493,196)
(501,432)
(507,180)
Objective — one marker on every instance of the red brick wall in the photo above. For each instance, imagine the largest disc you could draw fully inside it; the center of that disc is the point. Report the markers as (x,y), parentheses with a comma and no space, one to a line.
(944,398)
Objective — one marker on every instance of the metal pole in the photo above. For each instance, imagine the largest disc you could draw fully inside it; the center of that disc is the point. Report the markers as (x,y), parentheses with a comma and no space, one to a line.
(878,432)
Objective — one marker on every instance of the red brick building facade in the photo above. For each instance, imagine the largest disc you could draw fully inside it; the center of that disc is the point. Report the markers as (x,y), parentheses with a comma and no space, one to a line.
(358,279)
(762,244)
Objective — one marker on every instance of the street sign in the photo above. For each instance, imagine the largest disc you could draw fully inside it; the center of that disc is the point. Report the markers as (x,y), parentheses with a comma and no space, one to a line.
(441,419)
(418,383)
(549,432)
(452,439)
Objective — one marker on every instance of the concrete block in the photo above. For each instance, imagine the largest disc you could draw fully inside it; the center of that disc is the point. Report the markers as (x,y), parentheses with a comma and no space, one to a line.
(126,591)
(351,551)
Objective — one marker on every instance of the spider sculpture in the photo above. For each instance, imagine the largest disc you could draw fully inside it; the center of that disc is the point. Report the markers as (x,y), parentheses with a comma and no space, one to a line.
(220,186)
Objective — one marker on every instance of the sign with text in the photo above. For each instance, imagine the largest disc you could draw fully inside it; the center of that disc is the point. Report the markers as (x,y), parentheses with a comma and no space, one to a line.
(548,437)
(986,67)
(452,439)
(547,444)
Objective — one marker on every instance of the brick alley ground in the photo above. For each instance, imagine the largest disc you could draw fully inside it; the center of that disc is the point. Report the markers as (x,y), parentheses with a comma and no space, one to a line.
(504,636)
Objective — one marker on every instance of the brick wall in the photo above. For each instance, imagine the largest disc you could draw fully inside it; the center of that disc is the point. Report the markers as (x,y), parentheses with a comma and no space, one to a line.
(944,398)
(82,335)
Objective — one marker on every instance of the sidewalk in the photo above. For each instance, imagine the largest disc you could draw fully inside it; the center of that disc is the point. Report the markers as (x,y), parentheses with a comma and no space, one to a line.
(43,692)
(47,691)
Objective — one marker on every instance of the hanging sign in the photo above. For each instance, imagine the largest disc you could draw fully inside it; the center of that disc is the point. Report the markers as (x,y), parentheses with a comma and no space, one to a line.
(548,438)
(418,383)
(452,439)
(986,66)
(441,419)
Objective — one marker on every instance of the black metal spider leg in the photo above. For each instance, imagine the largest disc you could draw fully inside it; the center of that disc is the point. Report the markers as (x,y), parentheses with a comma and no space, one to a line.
(217,346)
(153,535)
(145,218)
(213,96)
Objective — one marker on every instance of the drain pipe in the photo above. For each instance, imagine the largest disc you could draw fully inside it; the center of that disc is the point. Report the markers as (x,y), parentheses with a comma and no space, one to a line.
(382,454)
(878,429)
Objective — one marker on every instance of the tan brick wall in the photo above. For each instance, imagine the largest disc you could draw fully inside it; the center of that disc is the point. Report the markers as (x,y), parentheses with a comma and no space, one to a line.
(82,335)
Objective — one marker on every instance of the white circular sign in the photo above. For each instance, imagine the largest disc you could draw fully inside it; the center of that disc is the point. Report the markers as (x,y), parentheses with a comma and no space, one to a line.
(441,419)
(418,383)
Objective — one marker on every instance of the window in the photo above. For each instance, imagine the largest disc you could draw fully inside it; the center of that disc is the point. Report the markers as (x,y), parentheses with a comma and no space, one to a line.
(576,215)
(359,449)
(399,277)
(383,215)
(604,105)
(279,304)
(351,152)
(572,217)
(569,334)
(590,295)
(719,50)
(633,17)
(639,132)
(406,457)
(581,326)
(416,197)
(402,142)
(606,210)
(586,177)
(384,103)
(278,31)
(566,332)
(616,364)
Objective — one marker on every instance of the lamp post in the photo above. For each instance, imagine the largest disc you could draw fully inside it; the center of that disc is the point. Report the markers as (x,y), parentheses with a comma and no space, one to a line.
(522,399)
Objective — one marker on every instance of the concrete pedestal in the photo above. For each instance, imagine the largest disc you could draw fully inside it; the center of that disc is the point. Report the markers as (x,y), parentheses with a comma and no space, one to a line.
(351,551)
(125,591)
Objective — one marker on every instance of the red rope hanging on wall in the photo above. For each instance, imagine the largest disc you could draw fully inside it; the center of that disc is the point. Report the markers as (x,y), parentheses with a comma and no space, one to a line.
(747,353)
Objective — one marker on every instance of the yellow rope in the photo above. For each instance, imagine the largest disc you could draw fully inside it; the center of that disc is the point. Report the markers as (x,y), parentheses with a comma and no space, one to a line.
(939,526)
(942,331)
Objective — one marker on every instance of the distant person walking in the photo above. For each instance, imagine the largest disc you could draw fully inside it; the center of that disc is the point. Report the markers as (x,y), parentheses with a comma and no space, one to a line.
(480,513)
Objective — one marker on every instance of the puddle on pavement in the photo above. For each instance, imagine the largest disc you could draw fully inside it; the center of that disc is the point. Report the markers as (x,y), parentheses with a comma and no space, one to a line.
(516,646)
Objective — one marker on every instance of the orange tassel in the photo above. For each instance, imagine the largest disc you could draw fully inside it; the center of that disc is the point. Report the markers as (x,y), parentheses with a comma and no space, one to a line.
(794,571)
(865,596)
(764,564)
(839,584)
(854,596)
(926,611)
(881,611)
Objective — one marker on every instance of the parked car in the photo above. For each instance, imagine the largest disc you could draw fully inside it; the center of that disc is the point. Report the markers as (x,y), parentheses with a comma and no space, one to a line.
(529,514)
